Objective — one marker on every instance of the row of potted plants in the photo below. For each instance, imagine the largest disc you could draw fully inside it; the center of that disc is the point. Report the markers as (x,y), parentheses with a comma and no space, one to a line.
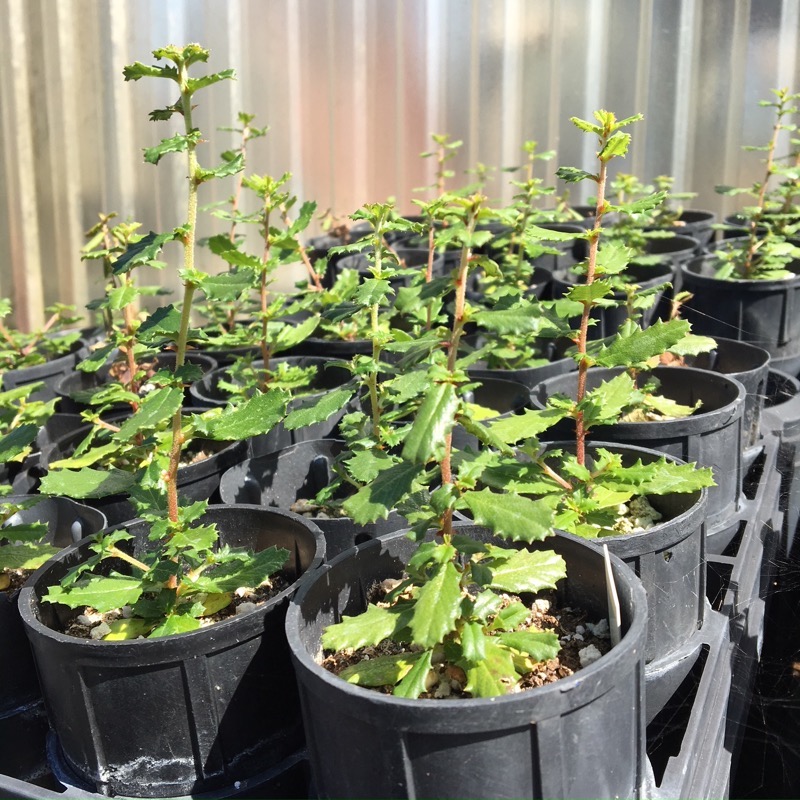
(451,454)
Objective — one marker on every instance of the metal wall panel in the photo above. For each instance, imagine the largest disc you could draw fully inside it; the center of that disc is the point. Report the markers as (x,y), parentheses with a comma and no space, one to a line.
(352,90)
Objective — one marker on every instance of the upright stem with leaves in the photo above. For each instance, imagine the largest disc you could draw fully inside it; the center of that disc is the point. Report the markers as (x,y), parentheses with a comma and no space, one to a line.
(612,143)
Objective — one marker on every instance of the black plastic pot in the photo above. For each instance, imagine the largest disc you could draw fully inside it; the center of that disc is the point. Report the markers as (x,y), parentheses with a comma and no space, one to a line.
(763,313)
(67,522)
(749,365)
(299,472)
(609,320)
(580,737)
(527,376)
(330,375)
(49,373)
(71,387)
(182,714)
(711,437)
(697,224)
(669,559)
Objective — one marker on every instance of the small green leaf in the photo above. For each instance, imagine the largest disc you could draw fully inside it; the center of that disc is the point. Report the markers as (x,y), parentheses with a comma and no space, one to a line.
(124,629)
(529,424)
(375,500)
(373,291)
(616,145)
(603,405)
(87,483)
(433,422)
(224,170)
(539,645)
(319,410)
(473,642)
(437,607)
(511,516)
(164,322)
(370,628)
(142,252)
(157,406)
(174,144)
(636,349)
(493,676)
(574,175)
(526,571)
(383,670)
(245,573)
(257,415)
(173,624)
(17,441)
(510,617)
(102,594)
(28,555)
(414,683)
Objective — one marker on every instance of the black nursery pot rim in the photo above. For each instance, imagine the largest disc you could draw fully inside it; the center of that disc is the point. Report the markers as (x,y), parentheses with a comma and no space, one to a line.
(364,699)
(29,600)
(675,427)
(662,534)
(694,268)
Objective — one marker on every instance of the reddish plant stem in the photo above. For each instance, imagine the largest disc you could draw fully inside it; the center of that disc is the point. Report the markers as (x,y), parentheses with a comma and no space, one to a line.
(583,366)
(313,278)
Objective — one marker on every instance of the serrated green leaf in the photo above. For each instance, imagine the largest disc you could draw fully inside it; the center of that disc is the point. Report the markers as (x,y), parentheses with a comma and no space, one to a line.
(195,84)
(159,405)
(102,594)
(616,145)
(121,296)
(28,555)
(174,144)
(408,386)
(228,285)
(88,458)
(692,345)
(511,516)
(375,500)
(291,335)
(319,409)
(247,573)
(383,670)
(373,291)
(526,571)
(124,629)
(164,322)
(433,422)
(414,683)
(370,628)
(574,175)
(17,441)
(87,483)
(636,349)
(224,170)
(366,465)
(174,624)
(603,405)
(527,425)
(613,258)
(510,617)
(539,645)
(473,642)
(142,252)
(255,416)
(493,676)
(437,607)
(591,293)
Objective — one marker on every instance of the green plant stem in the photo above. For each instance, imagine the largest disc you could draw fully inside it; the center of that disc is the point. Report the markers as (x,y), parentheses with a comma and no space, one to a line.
(314,279)
(171,479)
(452,352)
(264,298)
(583,366)
(374,318)
(121,554)
(752,244)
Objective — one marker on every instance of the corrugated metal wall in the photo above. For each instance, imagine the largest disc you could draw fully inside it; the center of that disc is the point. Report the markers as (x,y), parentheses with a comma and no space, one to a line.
(352,90)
